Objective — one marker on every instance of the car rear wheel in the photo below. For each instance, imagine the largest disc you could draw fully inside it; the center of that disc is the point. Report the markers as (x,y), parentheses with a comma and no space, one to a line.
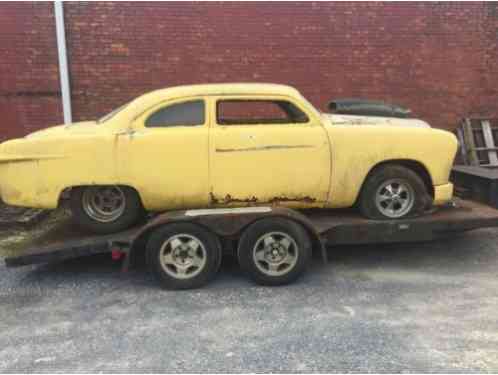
(106,209)
(393,192)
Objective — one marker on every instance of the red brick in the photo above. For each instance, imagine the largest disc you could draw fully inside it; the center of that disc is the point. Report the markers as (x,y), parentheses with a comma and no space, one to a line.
(437,58)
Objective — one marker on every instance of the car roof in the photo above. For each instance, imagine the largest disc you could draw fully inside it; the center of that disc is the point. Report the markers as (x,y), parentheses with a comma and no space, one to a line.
(220,89)
(232,88)
(146,101)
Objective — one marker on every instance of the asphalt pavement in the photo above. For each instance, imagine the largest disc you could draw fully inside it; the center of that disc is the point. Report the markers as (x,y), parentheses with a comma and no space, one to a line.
(397,308)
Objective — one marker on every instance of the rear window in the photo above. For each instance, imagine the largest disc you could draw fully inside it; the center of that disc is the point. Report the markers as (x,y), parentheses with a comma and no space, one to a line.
(249,112)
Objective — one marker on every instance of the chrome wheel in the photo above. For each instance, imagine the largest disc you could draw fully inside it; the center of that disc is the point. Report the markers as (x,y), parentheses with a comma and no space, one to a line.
(394,198)
(104,203)
(275,253)
(182,256)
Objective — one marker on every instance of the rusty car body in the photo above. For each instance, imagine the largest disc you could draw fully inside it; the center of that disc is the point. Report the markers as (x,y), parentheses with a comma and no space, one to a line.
(300,158)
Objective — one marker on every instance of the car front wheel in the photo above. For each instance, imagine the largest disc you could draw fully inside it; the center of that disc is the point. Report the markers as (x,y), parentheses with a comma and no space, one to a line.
(106,209)
(393,192)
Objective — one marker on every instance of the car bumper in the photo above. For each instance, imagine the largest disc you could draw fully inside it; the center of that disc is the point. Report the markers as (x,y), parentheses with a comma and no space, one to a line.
(443,193)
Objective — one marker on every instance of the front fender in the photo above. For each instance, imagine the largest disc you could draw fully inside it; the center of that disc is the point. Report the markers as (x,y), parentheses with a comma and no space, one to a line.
(357,150)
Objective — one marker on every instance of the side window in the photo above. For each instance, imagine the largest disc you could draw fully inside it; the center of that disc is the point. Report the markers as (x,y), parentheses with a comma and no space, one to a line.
(182,114)
(248,112)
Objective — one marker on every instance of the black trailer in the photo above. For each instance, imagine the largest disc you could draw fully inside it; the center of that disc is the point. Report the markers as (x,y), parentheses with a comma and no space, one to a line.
(273,244)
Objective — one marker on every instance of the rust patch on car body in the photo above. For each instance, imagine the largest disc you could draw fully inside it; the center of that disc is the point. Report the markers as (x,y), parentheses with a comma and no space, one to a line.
(228,199)
(305,199)
(213,198)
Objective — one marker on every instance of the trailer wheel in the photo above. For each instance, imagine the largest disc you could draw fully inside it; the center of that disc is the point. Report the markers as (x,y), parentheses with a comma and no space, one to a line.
(393,192)
(183,255)
(274,251)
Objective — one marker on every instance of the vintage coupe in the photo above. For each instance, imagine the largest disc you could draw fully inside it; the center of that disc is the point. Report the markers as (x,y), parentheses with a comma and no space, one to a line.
(228,145)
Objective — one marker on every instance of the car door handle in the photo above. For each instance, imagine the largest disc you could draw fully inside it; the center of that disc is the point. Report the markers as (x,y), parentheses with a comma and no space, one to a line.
(129,132)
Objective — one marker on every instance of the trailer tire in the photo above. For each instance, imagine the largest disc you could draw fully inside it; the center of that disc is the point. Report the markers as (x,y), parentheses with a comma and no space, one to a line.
(183,255)
(393,186)
(89,216)
(274,251)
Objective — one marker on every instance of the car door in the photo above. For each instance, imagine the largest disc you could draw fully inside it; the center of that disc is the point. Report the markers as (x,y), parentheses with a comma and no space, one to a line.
(267,150)
(165,155)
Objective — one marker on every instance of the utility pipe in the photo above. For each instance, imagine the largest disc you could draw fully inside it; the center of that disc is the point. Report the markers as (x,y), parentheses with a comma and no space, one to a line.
(63,68)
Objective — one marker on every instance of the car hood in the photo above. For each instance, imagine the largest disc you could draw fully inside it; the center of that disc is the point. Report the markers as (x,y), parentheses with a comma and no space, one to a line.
(84,127)
(335,119)
(45,144)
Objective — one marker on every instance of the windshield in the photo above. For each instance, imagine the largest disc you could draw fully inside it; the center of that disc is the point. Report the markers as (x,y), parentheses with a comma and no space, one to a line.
(111,114)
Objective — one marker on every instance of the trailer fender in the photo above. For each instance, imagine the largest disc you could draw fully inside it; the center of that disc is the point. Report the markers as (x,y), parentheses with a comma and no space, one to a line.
(226,223)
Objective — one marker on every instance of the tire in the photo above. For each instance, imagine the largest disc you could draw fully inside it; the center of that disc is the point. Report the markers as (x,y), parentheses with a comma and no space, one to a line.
(288,240)
(179,265)
(407,195)
(89,212)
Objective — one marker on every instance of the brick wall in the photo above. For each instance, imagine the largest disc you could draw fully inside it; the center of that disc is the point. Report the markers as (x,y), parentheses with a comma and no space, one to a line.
(437,58)
(29,85)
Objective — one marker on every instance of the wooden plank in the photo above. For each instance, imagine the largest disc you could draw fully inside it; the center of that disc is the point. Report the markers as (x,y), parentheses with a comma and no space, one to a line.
(463,148)
(468,136)
(487,173)
(486,148)
(490,143)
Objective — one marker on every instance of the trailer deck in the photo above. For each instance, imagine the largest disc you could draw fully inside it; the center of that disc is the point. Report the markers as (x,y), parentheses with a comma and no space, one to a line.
(334,227)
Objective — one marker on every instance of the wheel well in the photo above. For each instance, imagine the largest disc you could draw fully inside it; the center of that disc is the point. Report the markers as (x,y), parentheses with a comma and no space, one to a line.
(413,165)
(65,193)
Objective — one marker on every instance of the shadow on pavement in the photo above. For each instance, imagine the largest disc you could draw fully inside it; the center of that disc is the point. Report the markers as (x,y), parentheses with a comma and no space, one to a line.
(451,255)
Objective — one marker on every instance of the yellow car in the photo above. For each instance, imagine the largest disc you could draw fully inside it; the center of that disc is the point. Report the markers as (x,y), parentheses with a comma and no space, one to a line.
(228,145)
